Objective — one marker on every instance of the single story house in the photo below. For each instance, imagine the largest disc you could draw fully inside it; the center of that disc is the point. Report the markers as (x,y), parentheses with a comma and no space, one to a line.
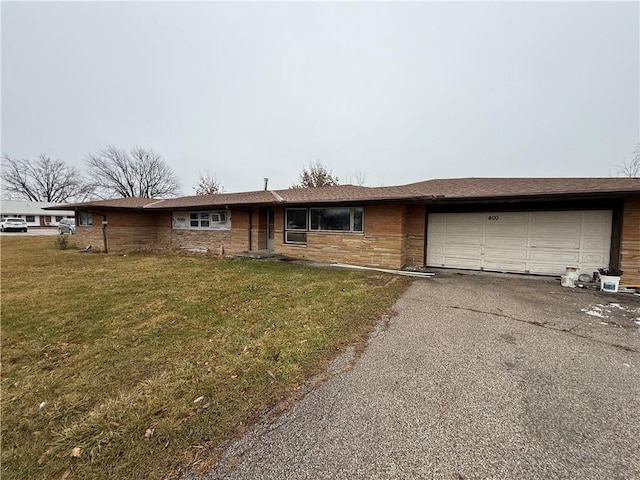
(34,213)
(520,225)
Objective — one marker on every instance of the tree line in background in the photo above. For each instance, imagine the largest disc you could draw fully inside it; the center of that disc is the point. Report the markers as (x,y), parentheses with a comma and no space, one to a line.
(114,172)
(111,172)
(141,172)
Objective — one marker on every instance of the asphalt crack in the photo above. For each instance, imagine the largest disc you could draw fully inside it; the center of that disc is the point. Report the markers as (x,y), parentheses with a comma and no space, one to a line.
(534,323)
(545,325)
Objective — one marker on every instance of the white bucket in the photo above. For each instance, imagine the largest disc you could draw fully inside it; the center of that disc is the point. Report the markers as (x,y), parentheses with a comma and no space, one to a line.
(609,284)
(567,281)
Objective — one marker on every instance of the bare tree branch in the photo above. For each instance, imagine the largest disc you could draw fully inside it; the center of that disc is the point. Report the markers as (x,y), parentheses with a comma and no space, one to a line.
(631,166)
(359,178)
(139,173)
(42,180)
(208,184)
(316,176)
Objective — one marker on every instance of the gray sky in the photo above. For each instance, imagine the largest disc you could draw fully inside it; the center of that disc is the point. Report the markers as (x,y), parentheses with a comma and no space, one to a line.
(402,91)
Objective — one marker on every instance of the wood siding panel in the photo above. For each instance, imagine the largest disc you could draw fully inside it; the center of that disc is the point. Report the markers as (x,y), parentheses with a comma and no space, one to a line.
(630,242)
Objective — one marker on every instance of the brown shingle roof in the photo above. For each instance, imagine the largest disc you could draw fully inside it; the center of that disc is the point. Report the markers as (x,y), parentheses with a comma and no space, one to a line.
(460,188)
(128,202)
(430,190)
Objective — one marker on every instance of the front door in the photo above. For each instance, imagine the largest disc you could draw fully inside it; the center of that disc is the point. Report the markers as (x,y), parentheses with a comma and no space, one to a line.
(271,220)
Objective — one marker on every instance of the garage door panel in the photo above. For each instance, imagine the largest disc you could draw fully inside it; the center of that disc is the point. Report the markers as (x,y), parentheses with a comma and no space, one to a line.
(597,244)
(435,260)
(494,228)
(436,250)
(505,254)
(464,219)
(556,230)
(437,218)
(435,238)
(556,243)
(464,240)
(463,251)
(435,228)
(461,229)
(591,229)
(506,242)
(595,258)
(597,216)
(566,258)
(544,218)
(502,266)
(457,262)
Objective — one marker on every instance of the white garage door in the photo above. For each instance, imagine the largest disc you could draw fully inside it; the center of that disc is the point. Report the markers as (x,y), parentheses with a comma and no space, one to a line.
(523,242)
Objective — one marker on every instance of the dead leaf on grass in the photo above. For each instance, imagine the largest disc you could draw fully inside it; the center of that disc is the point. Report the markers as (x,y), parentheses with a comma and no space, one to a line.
(76,452)
(199,399)
(149,433)
(270,373)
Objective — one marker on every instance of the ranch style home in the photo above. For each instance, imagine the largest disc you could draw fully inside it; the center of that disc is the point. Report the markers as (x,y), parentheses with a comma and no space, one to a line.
(519,225)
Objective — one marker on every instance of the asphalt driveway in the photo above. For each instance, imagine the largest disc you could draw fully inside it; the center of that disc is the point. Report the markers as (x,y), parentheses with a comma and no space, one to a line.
(478,376)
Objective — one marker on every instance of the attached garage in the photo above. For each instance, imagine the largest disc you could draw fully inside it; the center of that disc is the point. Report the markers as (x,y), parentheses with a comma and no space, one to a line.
(535,242)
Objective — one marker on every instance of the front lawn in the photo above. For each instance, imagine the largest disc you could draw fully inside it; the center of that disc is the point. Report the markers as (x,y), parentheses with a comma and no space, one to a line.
(137,366)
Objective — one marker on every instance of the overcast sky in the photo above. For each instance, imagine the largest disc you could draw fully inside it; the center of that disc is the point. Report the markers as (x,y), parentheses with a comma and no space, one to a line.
(404,92)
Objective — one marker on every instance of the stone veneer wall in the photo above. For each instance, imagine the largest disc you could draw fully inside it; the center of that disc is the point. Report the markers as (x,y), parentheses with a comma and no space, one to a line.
(226,241)
(414,231)
(630,244)
(382,244)
(126,231)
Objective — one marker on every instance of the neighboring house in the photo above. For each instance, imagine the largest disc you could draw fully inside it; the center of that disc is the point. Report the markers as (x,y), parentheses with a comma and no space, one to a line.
(521,225)
(33,212)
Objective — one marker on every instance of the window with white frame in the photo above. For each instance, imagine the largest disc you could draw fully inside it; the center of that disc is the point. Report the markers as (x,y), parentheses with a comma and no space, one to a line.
(299,221)
(202,220)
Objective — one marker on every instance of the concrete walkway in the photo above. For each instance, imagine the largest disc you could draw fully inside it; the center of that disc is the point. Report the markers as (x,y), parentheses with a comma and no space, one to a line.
(479,376)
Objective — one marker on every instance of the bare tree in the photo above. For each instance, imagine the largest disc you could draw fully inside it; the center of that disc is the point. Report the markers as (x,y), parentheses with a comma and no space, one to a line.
(208,184)
(630,167)
(316,176)
(359,178)
(138,173)
(42,180)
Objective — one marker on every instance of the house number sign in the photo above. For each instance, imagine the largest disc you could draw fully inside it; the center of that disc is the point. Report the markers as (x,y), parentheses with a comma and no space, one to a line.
(494,217)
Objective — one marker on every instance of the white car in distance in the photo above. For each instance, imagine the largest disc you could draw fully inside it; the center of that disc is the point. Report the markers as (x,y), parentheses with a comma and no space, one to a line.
(13,225)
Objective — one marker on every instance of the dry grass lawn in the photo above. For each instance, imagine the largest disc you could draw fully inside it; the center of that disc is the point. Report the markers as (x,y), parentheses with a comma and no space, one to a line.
(137,366)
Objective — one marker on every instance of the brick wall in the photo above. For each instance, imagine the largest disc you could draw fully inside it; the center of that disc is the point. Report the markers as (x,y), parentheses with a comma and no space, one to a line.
(126,231)
(382,243)
(630,244)
(414,232)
